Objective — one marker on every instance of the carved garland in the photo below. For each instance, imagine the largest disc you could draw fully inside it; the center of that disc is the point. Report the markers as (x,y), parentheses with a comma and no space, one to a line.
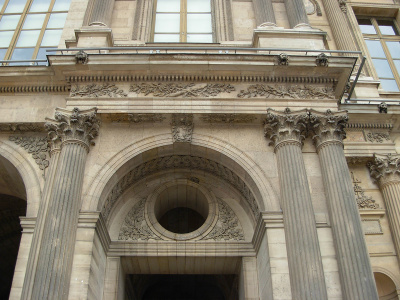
(181,90)
(37,146)
(183,162)
(363,201)
(97,90)
(294,92)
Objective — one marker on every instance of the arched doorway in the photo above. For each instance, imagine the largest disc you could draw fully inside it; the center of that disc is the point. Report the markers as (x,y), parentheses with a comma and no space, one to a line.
(386,287)
(12,206)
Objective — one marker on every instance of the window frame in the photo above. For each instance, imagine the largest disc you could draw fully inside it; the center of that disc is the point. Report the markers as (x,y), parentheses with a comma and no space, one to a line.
(382,38)
(183,23)
(19,28)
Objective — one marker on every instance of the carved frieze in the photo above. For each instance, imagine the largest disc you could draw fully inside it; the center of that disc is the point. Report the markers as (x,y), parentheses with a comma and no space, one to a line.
(180,162)
(286,126)
(36,146)
(76,126)
(292,91)
(137,118)
(228,226)
(228,118)
(22,127)
(97,90)
(182,127)
(377,137)
(327,127)
(135,226)
(186,90)
(363,201)
(385,168)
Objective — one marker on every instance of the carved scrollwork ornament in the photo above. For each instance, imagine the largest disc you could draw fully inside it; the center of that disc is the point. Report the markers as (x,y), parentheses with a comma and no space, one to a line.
(79,127)
(182,127)
(286,126)
(385,169)
(328,127)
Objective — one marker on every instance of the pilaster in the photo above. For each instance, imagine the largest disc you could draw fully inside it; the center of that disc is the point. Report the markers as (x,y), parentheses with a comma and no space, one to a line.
(355,271)
(75,130)
(297,14)
(264,12)
(385,169)
(287,131)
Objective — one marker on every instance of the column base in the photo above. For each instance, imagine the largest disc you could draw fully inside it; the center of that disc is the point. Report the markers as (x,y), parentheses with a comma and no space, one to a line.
(92,36)
(297,38)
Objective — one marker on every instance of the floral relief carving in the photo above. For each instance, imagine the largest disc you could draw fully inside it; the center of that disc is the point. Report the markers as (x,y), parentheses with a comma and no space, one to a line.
(97,90)
(181,162)
(228,118)
(363,201)
(181,90)
(36,146)
(182,127)
(385,168)
(377,137)
(135,226)
(294,92)
(227,227)
(22,127)
(77,126)
(137,118)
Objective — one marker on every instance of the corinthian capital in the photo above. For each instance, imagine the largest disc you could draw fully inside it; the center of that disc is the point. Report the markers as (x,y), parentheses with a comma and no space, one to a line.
(286,126)
(74,126)
(327,127)
(385,168)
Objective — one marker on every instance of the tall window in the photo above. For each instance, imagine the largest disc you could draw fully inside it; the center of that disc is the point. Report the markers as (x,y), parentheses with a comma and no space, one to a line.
(383,42)
(184,21)
(29,27)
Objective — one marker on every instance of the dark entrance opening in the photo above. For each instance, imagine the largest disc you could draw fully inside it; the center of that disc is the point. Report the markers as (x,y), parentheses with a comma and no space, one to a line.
(181,287)
(182,220)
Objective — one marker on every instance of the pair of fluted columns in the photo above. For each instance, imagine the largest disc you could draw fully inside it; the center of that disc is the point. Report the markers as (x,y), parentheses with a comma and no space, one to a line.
(287,130)
(70,135)
(385,169)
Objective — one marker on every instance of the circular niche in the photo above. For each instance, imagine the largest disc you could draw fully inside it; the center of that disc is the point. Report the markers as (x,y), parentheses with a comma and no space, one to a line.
(181,210)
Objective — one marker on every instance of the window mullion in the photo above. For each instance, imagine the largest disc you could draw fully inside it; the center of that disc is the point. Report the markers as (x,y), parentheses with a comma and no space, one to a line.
(183,22)
(39,41)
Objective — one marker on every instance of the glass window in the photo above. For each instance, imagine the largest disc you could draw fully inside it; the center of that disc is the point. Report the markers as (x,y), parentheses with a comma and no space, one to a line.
(383,42)
(29,27)
(183,21)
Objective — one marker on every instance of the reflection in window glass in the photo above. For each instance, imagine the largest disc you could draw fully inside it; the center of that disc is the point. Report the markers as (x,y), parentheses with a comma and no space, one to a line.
(28,38)
(15,6)
(198,6)
(389,85)
(386,27)
(5,38)
(166,38)
(2,53)
(51,38)
(34,21)
(61,5)
(200,23)
(42,53)
(9,22)
(167,23)
(22,54)
(168,5)
(57,20)
(40,6)
(1,4)
(394,48)
(397,64)
(382,68)
(375,48)
(199,38)
(366,26)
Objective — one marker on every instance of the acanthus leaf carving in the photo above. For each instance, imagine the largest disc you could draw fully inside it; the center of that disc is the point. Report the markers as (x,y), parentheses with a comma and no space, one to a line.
(328,126)
(285,126)
(22,127)
(363,201)
(182,127)
(385,168)
(293,92)
(135,226)
(76,126)
(377,137)
(36,146)
(181,90)
(181,162)
(227,227)
(97,90)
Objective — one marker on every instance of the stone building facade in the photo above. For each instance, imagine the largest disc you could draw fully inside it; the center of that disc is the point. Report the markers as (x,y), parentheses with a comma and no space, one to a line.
(200,149)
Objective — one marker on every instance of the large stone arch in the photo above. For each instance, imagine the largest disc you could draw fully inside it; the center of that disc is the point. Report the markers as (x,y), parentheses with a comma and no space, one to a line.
(142,151)
(27,171)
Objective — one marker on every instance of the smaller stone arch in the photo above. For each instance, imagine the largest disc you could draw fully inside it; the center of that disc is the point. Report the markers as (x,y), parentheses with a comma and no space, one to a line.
(386,286)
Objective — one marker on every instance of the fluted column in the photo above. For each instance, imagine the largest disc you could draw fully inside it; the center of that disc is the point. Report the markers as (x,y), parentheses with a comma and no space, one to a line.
(355,271)
(55,144)
(339,25)
(297,14)
(287,130)
(76,130)
(386,171)
(99,12)
(264,13)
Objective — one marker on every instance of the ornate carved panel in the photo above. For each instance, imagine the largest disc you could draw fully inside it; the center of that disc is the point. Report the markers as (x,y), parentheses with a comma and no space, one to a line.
(182,127)
(36,146)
